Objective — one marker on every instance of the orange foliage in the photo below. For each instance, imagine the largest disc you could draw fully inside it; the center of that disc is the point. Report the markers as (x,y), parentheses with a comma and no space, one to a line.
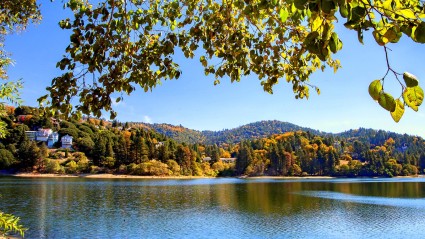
(201,149)
(94,121)
(10,110)
(390,141)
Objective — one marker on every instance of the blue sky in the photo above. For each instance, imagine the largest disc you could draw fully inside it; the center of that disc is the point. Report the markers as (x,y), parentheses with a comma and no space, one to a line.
(194,102)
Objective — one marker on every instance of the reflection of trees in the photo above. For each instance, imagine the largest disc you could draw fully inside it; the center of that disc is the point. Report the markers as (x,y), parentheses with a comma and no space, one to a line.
(117,205)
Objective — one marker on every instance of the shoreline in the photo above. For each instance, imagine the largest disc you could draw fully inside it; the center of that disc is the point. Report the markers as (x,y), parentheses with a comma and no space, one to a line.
(105,175)
(126,176)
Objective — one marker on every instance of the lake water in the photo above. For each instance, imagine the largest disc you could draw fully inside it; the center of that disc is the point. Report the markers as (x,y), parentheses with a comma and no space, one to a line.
(217,208)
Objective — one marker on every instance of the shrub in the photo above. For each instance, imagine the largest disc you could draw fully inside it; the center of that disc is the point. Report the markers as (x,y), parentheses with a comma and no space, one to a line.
(71,167)
(174,167)
(52,166)
(6,158)
(95,169)
(122,169)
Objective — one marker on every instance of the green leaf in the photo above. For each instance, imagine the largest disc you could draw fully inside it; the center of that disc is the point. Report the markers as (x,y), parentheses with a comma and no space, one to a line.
(300,4)
(413,97)
(343,11)
(375,89)
(387,102)
(398,112)
(283,14)
(420,33)
(410,79)
(203,61)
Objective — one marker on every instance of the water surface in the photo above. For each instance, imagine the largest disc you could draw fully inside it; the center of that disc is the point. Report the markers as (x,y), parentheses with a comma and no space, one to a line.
(217,208)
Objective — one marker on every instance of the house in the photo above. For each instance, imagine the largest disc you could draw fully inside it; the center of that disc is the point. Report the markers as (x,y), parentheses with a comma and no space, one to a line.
(43,134)
(31,135)
(66,142)
(228,160)
(52,139)
(159,144)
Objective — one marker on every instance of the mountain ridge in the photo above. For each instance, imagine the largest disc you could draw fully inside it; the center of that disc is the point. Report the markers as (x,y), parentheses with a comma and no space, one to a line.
(254,130)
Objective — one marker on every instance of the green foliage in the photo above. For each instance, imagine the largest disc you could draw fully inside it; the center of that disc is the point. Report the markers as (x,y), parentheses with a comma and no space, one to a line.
(127,43)
(174,167)
(71,167)
(10,223)
(28,153)
(52,166)
(6,158)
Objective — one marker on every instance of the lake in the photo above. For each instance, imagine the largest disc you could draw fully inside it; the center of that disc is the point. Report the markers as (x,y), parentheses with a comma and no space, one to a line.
(217,208)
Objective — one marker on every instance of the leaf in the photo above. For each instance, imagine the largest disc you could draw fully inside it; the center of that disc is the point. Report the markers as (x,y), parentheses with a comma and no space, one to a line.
(283,14)
(300,4)
(203,61)
(360,36)
(398,112)
(410,79)
(375,89)
(413,97)
(343,11)
(420,33)
(387,102)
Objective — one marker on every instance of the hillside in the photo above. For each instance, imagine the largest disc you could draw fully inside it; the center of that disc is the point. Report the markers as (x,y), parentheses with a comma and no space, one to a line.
(264,129)
(255,130)
(177,132)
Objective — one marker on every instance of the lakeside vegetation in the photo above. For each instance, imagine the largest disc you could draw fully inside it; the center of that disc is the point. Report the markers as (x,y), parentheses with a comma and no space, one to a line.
(133,148)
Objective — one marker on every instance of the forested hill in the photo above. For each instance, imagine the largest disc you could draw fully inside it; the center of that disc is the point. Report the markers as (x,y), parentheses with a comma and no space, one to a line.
(177,132)
(264,129)
(250,131)
(257,130)
(378,137)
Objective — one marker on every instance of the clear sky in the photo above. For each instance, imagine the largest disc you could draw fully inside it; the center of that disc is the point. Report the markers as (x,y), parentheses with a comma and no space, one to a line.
(194,102)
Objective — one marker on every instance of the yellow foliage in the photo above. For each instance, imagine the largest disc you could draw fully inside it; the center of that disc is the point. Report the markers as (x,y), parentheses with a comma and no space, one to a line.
(224,153)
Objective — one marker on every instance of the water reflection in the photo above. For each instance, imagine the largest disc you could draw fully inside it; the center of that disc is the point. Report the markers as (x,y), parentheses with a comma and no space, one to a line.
(216,208)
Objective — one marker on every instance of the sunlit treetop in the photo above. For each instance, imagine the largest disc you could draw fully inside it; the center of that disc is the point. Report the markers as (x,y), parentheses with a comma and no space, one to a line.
(116,45)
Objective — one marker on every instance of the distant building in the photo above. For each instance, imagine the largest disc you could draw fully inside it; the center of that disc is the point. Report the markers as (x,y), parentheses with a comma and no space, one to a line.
(228,160)
(224,160)
(43,134)
(159,144)
(52,139)
(66,142)
(31,135)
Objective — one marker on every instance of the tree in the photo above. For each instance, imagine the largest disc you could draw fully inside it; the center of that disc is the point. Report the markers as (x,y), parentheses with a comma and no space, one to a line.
(244,157)
(215,154)
(122,43)
(6,158)
(28,153)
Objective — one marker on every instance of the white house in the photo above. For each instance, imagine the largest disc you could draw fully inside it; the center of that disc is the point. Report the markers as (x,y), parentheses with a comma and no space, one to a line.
(43,134)
(31,135)
(66,142)
(228,160)
(52,139)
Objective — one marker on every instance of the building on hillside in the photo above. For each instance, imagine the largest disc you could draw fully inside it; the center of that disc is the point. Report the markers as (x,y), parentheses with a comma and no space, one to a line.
(52,139)
(224,160)
(228,160)
(159,144)
(31,135)
(66,142)
(43,134)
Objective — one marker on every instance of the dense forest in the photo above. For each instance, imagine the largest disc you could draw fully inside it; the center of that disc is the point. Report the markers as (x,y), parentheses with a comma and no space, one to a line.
(255,130)
(256,149)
